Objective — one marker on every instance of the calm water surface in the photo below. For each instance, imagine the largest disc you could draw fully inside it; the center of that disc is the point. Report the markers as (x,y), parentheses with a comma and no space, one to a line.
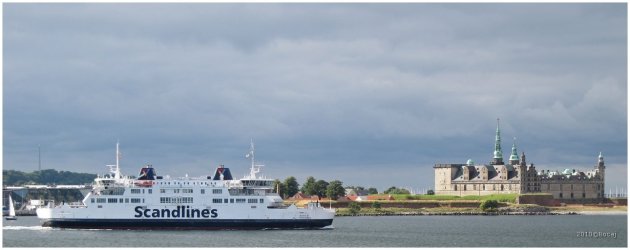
(386,231)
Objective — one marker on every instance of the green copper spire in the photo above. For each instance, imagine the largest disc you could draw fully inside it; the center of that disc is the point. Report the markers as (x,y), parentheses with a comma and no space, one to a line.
(498,155)
(514,156)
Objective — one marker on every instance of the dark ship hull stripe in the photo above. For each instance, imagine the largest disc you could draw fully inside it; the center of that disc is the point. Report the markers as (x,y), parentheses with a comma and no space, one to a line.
(175,224)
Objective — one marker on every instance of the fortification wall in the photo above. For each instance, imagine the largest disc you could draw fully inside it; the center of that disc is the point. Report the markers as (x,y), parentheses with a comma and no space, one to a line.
(538,199)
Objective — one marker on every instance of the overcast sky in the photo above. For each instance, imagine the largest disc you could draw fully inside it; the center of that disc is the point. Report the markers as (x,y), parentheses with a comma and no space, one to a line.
(370,94)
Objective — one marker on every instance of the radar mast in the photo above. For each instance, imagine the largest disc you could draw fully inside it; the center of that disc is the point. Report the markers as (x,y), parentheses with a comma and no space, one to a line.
(255,168)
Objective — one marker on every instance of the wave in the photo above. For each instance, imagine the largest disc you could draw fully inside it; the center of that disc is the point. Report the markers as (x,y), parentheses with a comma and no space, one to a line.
(36,228)
(40,228)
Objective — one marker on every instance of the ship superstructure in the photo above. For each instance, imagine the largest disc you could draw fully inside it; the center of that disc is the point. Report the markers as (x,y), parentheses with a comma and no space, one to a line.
(216,201)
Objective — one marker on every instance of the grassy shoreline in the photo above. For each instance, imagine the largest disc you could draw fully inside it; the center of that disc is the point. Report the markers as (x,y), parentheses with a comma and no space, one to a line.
(510,210)
(508,204)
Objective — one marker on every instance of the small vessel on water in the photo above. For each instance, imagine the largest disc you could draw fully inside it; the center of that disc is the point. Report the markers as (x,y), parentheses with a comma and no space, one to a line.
(11,210)
(208,202)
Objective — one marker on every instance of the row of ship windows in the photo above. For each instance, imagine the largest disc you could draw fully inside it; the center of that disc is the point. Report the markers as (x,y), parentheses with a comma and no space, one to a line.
(176,199)
(183,190)
(183,183)
(137,191)
(176,191)
(238,200)
(173,200)
(117,200)
(190,200)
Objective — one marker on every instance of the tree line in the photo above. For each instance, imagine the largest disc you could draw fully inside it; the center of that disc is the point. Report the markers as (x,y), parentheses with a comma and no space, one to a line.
(45,177)
(333,189)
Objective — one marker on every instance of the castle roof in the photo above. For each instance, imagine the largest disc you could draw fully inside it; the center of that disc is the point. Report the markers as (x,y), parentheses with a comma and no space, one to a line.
(568,174)
(497,170)
(475,172)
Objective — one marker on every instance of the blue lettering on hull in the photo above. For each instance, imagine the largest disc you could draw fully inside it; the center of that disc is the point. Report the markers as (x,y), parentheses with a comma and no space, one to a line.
(178,212)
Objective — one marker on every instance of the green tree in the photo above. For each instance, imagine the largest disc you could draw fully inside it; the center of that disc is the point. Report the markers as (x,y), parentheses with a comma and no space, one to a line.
(45,177)
(376,205)
(291,185)
(372,191)
(489,205)
(395,190)
(308,187)
(335,190)
(430,192)
(390,189)
(354,190)
(320,188)
(353,207)
(403,191)
(14,178)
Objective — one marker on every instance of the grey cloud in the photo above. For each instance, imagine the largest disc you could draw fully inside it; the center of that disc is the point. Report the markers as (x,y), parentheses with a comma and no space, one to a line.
(322,88)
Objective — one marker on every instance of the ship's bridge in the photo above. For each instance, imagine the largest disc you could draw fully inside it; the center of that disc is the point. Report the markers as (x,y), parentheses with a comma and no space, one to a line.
(259,183)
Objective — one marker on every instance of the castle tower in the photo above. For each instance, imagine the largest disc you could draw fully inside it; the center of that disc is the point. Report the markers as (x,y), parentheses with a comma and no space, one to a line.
(522,172)
(514,156)
(498,155)
(600,165)
(601,168)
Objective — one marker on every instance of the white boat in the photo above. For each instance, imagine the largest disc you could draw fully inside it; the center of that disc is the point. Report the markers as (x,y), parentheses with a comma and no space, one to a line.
(208,202)
(11,210)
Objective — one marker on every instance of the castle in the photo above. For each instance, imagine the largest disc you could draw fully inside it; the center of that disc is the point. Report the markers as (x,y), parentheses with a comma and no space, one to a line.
(516,176)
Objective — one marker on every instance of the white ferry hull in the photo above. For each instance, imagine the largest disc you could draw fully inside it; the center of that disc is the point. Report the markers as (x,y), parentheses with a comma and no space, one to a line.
(207,202)
(186,219)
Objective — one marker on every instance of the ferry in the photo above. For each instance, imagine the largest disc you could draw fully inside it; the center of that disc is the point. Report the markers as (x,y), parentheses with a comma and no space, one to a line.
(213,202)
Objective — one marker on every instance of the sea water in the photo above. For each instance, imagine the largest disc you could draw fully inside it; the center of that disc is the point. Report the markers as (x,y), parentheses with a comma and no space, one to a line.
(364,231)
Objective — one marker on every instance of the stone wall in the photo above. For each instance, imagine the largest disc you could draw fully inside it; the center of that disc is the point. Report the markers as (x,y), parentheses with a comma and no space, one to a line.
(412,204)
(619,201)
(538,199)
(562,189)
